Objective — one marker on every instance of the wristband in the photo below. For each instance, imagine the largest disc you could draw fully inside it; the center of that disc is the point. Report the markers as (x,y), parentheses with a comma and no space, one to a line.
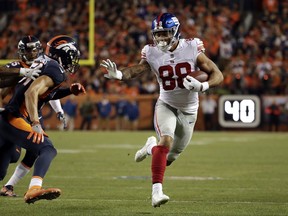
(22,71)
(35,122)
(205,86)
(119,75)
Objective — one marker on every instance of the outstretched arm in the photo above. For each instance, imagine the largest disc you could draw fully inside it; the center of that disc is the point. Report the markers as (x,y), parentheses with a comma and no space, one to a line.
(136,70)
(32,73)
(75,88)
(4,71)
(126,73)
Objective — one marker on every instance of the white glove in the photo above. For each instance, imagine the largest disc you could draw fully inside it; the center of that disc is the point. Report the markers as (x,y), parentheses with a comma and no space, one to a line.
(32,73)
(194,85)
(111,67)
(61,117)
(37,133)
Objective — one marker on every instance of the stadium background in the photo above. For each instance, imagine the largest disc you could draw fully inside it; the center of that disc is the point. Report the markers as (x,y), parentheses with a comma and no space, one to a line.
(246,39)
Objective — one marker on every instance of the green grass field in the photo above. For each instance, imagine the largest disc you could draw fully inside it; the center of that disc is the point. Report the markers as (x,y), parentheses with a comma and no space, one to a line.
(221,173)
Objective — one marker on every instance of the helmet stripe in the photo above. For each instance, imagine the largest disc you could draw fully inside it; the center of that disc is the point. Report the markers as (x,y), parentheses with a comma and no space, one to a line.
(158,19)
(54,38)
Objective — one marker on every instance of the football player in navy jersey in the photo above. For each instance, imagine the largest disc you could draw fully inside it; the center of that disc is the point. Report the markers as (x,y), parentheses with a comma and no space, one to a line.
(29,159)
(19,122)
(29,49)
(172,59)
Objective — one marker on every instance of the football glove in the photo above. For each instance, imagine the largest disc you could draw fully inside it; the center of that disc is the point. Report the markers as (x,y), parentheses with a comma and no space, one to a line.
(77,88)
(32,73)
(37,133)
(111,67)
(194,85)
(62,118)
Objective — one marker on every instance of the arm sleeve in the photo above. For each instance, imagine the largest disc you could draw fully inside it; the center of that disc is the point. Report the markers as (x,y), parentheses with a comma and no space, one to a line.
(61,93)
(56,105)
(144,52)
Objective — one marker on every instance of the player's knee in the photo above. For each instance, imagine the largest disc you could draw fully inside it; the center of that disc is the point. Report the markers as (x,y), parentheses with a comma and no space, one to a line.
(49,151)
(166,141)
(53,152)
(168,163)
(172,156)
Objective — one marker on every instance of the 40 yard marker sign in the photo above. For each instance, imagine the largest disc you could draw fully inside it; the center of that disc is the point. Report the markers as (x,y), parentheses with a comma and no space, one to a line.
(239,111)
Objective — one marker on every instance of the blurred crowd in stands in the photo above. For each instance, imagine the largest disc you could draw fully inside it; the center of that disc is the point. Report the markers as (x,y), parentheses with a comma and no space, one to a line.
(246,39)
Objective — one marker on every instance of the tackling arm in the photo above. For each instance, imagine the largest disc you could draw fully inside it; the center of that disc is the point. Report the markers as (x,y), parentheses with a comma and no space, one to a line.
(32,73)
(4,71)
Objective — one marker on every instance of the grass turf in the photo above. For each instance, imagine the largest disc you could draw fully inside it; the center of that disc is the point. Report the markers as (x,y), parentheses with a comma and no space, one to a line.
(220,173)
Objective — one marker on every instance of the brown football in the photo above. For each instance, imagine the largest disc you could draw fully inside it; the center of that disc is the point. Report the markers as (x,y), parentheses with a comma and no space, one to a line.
(201,76)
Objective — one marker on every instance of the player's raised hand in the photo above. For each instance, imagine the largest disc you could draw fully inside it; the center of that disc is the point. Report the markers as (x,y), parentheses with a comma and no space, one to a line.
(37,133)
(111,68)
(192,84)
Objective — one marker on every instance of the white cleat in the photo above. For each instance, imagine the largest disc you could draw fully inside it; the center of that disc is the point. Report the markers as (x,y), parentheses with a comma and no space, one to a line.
(158,199)
(142,153)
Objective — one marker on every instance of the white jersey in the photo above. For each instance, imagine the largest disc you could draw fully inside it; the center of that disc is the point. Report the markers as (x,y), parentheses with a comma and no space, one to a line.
(171,67)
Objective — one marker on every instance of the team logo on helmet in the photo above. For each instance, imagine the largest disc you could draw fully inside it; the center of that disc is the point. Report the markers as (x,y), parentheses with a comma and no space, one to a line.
(29,48)
(165,31)
(63,49)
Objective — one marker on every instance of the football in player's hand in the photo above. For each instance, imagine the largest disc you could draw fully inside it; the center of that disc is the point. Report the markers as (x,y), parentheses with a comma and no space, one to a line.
(77,88)
(201,76)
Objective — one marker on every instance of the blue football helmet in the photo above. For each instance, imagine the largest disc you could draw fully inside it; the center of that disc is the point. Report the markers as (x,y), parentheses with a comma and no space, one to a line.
(29,48)
(64,49)
(165,31)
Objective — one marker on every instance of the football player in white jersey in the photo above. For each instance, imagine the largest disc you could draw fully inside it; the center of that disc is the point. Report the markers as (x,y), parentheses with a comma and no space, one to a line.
(171,59)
